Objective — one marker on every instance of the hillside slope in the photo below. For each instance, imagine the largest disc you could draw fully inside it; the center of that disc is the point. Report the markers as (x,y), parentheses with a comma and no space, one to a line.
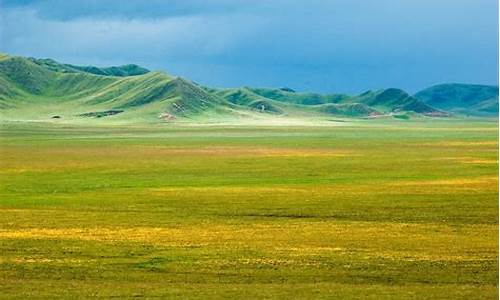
(288,102)
(395,100)
(41,89)
(371,103)
(462,98)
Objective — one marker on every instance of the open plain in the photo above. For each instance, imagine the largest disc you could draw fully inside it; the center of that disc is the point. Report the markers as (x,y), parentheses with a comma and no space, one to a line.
(373,209)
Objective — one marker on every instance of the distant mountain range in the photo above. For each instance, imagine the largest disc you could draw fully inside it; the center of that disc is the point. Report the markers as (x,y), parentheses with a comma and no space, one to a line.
(41,89)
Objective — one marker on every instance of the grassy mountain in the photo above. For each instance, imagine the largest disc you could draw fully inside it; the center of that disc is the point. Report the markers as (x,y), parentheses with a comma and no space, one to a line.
(290,96)
(394,100)
(281,101)
(462,98)
(247,98)
(369,103)
(42,89)
(34,89)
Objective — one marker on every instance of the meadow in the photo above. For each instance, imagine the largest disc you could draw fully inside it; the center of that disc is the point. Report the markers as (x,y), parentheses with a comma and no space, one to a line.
(387,209)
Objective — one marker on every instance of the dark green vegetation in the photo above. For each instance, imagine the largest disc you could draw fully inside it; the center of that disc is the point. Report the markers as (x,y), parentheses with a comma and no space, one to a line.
(462,98)
(100,114)
(368,209)
(37,89)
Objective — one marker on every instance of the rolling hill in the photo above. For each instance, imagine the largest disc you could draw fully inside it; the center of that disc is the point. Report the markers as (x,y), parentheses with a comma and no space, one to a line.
(462,98)
(395,100)
(38,89)
(44,89)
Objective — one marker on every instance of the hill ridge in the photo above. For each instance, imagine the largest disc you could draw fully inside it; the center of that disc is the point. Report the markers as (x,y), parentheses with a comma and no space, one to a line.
(39,88)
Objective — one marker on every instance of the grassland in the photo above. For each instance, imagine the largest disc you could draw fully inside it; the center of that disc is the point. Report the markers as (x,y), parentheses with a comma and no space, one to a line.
(363,209)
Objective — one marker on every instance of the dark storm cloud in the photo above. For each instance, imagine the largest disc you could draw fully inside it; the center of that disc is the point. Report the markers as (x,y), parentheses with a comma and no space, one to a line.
(341,45)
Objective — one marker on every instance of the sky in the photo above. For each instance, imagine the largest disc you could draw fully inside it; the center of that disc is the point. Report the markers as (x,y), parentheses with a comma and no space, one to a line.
(342,46)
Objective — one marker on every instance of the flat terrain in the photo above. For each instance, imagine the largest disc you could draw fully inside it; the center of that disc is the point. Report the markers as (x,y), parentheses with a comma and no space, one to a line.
(363,209)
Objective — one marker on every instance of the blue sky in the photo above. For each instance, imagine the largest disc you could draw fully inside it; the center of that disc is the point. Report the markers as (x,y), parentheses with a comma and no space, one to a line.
(346,46)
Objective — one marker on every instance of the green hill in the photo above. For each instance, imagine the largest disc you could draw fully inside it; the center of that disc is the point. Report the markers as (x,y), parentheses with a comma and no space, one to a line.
(281,101)
(290,96)
(39,89)
(44,89)
(462,98)
(395,100)
(370,103)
